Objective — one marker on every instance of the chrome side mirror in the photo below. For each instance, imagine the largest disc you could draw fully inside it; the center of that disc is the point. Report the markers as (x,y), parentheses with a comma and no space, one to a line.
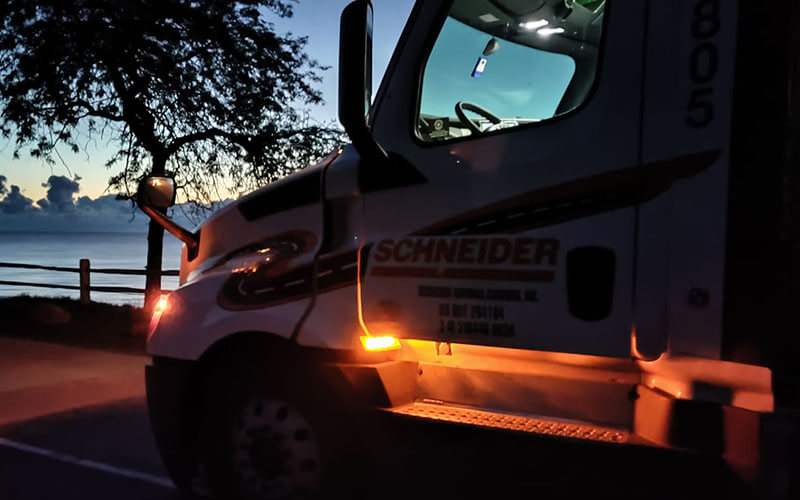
(154,196)
(156,192)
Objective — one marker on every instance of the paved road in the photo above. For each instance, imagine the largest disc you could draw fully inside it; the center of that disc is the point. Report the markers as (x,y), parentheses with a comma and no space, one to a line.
(73,425)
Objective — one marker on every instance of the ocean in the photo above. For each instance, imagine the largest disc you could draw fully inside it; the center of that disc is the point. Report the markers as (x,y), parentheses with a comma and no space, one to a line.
(104,250)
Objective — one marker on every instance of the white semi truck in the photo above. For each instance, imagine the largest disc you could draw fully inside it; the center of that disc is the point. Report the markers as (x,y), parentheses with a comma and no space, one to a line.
(567,220)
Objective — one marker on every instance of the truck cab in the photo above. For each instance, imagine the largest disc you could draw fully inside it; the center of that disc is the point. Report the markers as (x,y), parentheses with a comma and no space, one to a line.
(566,219)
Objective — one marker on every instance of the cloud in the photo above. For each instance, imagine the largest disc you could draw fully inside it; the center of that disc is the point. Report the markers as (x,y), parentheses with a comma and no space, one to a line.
(61,191)
(104,205)
(60,211)
(15,202)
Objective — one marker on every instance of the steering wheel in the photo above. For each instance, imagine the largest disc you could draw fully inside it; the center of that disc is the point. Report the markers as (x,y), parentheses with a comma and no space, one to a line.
(463,106)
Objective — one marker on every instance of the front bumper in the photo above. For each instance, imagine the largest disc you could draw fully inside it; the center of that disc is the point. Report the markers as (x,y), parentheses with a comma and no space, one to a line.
(174,411)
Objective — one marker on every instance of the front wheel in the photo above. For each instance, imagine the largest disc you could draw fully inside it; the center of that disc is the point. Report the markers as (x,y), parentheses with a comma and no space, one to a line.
(274,431)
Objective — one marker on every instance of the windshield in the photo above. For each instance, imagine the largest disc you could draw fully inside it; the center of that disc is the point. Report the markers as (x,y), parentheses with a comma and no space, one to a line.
(504,88)
(496,65)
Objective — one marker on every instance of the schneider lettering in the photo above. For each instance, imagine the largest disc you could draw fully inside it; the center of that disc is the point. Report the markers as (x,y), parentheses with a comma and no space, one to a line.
(515,251)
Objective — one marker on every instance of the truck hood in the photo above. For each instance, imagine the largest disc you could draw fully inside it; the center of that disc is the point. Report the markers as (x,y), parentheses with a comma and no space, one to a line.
(251,219)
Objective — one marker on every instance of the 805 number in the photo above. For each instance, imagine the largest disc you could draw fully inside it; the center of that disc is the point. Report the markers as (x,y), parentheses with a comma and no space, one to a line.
(703,63)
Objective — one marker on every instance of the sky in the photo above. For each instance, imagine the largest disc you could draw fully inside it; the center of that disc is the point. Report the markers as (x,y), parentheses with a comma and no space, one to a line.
(87,198)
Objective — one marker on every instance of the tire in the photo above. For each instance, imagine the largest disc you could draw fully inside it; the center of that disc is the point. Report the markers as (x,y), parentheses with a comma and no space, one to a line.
(273,428)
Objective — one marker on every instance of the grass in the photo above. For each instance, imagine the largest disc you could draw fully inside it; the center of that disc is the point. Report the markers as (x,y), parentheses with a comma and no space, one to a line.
(67,321)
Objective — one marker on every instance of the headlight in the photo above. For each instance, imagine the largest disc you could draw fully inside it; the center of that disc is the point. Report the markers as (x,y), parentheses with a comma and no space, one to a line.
(253,257)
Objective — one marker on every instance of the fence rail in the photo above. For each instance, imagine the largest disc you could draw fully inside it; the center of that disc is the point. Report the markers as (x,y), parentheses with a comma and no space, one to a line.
(134,272)
(84,269)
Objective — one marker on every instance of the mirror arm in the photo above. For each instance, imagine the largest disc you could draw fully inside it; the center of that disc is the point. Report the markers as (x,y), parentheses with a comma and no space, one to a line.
(176,230)
(379,169)
(355,89)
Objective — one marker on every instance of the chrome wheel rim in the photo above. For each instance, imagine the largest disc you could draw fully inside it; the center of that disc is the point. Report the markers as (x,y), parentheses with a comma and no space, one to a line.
(276,453)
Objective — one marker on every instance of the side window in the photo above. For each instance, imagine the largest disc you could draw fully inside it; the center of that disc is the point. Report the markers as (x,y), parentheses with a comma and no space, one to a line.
(500,64)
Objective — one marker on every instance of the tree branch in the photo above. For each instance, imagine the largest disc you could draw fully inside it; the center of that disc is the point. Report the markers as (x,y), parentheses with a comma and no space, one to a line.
(138,119)
(98,112)
(180,142)
(243,140)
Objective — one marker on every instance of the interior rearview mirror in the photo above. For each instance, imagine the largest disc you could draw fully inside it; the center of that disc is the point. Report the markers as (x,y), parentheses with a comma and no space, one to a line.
(491,47)
(156,192)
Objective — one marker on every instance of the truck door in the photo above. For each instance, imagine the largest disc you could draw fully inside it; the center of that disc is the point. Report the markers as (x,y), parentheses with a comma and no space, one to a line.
(524,118)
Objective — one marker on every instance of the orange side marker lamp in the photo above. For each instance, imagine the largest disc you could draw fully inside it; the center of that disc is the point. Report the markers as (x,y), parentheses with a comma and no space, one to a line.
(160,308)
(382,343)
(377,343)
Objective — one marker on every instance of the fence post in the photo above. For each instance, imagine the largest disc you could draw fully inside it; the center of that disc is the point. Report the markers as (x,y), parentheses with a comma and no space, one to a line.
(85,282)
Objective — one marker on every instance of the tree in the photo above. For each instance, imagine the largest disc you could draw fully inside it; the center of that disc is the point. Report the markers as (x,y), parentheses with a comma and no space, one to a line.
(205,89)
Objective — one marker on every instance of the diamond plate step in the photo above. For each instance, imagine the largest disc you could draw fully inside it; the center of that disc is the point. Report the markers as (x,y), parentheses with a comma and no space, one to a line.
(508,421)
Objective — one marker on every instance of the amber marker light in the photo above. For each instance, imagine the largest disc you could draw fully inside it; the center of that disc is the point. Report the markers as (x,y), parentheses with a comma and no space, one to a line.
(383,343)
(161,306)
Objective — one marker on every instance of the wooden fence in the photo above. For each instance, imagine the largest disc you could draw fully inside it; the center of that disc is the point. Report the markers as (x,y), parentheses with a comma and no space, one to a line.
(84,271)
